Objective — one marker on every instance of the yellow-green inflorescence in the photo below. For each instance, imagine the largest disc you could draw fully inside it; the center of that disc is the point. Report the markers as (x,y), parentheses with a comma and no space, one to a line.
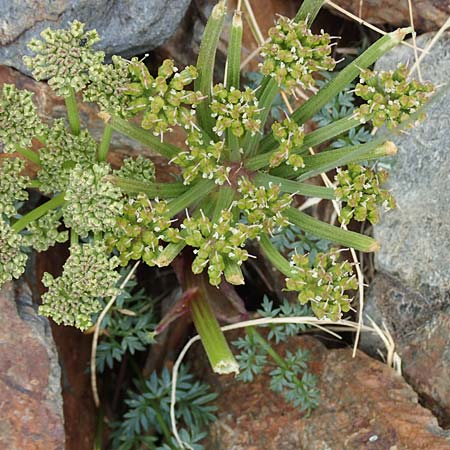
(141,230)
(359,188)
(65,58)
(289,136)
(12,185)
(323,285)
(163,100)
(293,53)
(88,275)
(19,122)
(139,169)
(390,97)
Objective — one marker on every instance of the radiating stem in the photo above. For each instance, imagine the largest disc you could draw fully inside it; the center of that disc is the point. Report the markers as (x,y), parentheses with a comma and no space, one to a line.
(72,112)
(105,143)
(162,190)
(193,195)
(274,256)
(29,154)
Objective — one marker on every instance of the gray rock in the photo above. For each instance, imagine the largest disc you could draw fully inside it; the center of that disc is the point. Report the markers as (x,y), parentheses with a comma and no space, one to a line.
(411,292)
(127,27)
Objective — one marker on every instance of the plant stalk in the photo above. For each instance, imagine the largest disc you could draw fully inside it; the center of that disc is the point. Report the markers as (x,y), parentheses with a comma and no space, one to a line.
(103,148)
(72,112)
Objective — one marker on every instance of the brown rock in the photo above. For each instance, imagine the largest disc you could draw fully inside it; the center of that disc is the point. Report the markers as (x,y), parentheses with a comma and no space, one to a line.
(364,405)
(30,392)
(429,15)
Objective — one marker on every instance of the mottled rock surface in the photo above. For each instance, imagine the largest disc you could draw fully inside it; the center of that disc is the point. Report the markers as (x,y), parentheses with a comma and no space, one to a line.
(30,391)
(429,15)
(411,292)
(127,27)
(363,405)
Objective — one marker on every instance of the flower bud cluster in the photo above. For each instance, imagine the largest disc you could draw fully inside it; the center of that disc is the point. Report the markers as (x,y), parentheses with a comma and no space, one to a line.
(88,275)
(263,207)
(293,53)
(202,159)
(106,89)
(140,229)
(360,188)
(93,203)
(12,259)
(390,97)
(216,243)
(19,121)
(65,57)
(163,100)
(12,185)
(43,233)
(139,169)
(289,135)
(324,284)
(62,151)
(235,110)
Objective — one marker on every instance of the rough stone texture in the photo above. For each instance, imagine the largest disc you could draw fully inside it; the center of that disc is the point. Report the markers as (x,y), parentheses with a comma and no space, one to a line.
(30,390)
(51,107)
(364,405)
(411,292)
(127,27)
(429,15)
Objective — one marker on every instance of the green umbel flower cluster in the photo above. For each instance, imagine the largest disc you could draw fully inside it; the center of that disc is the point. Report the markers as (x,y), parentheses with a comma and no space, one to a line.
(12,185)
(217,243)
(202,159)
(390,97)
(235,110)
(62,151)
(140,229)
(93,203)
(64,57)
(289,136)
(324,284)
(163,100)
(139,168)
(108,83)
(43,233)
(12,259)
(263,207)
(360,188)
(293,53)
(88,275)
(19,122)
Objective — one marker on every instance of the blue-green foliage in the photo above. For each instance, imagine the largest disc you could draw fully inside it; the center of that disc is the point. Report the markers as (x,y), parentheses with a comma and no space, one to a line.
(128,326)
(291,379)
(148,417)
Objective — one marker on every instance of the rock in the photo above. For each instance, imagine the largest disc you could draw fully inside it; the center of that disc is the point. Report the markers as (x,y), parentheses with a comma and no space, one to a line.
(31,401)
(429,15)
(126,28)
(364,405)
(411,292)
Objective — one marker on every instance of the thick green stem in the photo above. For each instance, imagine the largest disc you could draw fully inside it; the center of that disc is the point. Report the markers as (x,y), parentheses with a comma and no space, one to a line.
(223,200)
(103,148)
(144,137)
(343,79)
(161,190)
(274,256)
(73,237)
(29,154)
(72,112)
(334,234)
(309,10)
(170,252)
(193,195)
(217,349)
(205,64)
(294,187)
(38,212)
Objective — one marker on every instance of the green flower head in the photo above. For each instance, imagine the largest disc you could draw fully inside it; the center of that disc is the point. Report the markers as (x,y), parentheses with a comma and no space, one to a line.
(293,53)
(93,203)
(324,284)
(390,97)
(289,136)
(12,259)
(12,185)
(65,58)
(139,168)
(19,122)
(73,297)
(360,189)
